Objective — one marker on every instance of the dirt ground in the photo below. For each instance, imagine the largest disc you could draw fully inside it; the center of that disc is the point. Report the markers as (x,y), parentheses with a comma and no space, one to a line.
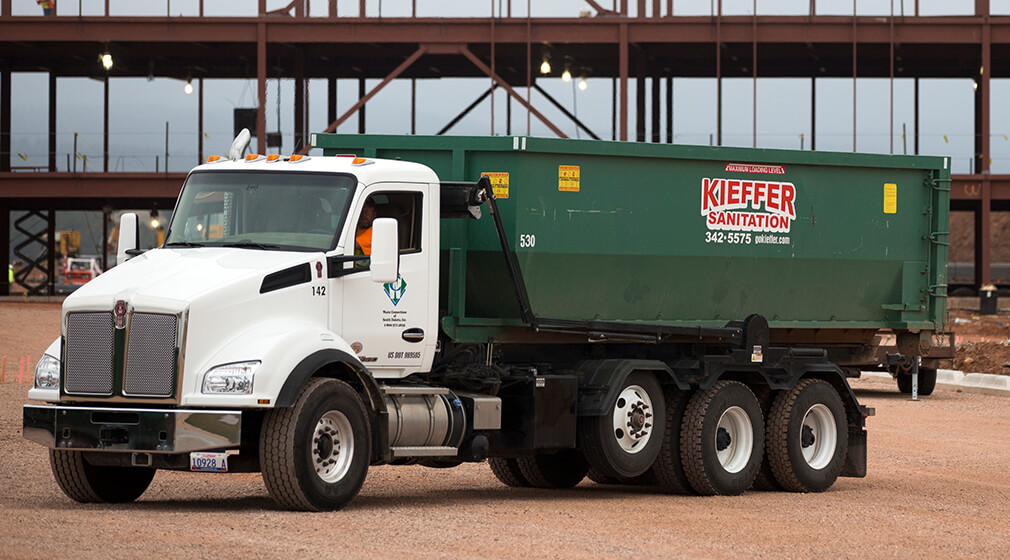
(938,486)
(982,342)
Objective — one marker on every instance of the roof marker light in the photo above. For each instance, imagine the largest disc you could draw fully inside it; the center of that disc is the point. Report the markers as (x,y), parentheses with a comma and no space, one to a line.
(361,161)
(296,158)
(212,159)
(252,157)
(273,157)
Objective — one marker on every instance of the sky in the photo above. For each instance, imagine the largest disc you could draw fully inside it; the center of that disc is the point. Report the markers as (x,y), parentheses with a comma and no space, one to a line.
(141,108)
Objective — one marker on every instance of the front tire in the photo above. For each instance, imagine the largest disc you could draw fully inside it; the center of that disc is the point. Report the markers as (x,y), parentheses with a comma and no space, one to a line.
(315,455)
(807,436)
(88,484)
(624,442)
(722,439)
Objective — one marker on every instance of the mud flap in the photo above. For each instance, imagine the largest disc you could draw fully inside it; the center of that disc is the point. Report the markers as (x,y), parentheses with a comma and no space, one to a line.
(855,458)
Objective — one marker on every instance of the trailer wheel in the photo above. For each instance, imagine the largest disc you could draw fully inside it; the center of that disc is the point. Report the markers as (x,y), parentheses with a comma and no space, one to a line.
(927,382)
(765,480)
(315,454)
(669,468)
(722,439)
(508,472)
(563,469)
(807,436)
(626,442)
(87,483)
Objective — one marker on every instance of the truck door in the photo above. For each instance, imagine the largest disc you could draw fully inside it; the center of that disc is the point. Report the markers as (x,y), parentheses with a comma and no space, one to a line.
(388,324)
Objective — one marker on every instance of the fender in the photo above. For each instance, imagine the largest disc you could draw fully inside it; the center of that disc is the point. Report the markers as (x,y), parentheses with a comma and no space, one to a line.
(321,359)
(601,380)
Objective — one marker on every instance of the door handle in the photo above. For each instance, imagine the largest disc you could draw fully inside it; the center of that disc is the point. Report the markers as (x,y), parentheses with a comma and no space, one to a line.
(413,335)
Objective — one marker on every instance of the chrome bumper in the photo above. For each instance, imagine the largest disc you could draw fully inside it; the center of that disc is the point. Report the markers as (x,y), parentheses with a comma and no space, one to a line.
(119,429)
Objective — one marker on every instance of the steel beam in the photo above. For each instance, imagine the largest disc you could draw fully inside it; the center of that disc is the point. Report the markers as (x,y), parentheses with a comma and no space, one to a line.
(389,78)
(566,112)
(84,186)
(529,107)
(52,122)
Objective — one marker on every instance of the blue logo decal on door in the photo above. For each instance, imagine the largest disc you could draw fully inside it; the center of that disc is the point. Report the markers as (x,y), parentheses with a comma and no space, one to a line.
(395,290)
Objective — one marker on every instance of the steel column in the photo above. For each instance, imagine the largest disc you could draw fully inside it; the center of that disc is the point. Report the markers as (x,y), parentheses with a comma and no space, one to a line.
(105,126)
(669,109)
(639,95)
(813,113)
(656,108)
(5,121)
(52,121)
(331,99)
(855,40)
(718,75)
(51,251)
(5,243)
(299,140)
(362,99)
(622,54)
(199,120)
(261,81)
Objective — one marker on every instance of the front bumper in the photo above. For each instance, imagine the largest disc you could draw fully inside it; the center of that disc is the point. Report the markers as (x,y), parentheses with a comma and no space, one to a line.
(123,429)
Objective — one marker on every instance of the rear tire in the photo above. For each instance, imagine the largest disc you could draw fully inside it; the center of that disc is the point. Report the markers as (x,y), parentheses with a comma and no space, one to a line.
(807,436)
(508,472)
(625,441)
(722,439)
(88,484)
(600,478)
(927,382)
(669,468)
(315,454)
(564,469)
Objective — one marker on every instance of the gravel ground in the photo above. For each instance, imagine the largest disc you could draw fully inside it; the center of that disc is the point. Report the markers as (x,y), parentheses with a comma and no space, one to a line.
(938,486)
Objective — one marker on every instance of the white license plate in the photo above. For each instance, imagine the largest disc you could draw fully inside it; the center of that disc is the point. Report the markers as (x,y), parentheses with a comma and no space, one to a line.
(210,462)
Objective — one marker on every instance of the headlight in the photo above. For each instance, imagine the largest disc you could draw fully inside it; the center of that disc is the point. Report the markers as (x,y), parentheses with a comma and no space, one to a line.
(47,373)
(233,379)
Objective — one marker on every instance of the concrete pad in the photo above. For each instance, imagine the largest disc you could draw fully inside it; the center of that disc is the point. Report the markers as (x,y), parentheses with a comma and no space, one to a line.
(988,381)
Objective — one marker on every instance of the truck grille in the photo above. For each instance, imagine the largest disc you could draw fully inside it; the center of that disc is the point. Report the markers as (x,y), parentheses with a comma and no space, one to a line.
(89,353)
(95,360)
(150,355)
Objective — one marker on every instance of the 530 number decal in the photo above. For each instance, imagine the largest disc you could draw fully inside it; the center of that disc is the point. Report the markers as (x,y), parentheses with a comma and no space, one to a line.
(527,240)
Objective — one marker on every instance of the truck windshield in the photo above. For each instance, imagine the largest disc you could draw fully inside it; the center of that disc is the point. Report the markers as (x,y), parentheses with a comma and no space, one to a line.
(261,210)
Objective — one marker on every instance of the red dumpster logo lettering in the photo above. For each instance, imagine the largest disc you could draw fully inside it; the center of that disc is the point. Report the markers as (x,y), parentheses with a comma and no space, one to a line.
(724,203)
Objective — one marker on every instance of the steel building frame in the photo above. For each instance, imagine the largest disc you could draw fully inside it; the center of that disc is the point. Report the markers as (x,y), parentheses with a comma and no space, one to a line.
(506,50)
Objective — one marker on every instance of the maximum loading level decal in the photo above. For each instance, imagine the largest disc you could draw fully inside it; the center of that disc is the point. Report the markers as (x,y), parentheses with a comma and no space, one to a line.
(759,210)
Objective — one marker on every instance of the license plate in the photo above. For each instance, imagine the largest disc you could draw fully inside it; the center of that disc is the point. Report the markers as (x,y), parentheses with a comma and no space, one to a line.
(210,462)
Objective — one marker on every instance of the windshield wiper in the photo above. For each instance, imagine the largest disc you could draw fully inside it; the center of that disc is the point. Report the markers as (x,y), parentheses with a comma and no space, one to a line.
(184,244)
(251,245)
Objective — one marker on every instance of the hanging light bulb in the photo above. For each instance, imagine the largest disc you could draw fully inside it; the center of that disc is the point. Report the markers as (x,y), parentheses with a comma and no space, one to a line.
(583,84)
(545,66)
(106,59)
(566,76)
(188,88)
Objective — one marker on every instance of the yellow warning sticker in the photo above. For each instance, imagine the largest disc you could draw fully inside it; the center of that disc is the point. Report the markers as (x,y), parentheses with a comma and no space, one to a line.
(568,178)
(890,198)
(499,183)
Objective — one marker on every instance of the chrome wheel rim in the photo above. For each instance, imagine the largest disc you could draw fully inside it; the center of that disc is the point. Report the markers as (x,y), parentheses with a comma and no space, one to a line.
(633,420)
(734,439)
(818,437)
(332,446)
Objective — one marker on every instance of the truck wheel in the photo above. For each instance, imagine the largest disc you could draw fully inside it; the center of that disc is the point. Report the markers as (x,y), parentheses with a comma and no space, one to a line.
(927,382)
(807,436)
(626,441)
(315,454)
(87,483)
(668,468)
(722,439)
(564,469)
(508,472)
(765,480)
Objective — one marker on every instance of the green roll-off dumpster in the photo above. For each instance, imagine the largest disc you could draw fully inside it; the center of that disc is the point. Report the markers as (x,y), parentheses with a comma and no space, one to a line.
(823,245)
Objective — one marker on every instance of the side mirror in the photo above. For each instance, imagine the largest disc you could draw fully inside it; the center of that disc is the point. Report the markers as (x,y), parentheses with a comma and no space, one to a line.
(385,257)
(129,237)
